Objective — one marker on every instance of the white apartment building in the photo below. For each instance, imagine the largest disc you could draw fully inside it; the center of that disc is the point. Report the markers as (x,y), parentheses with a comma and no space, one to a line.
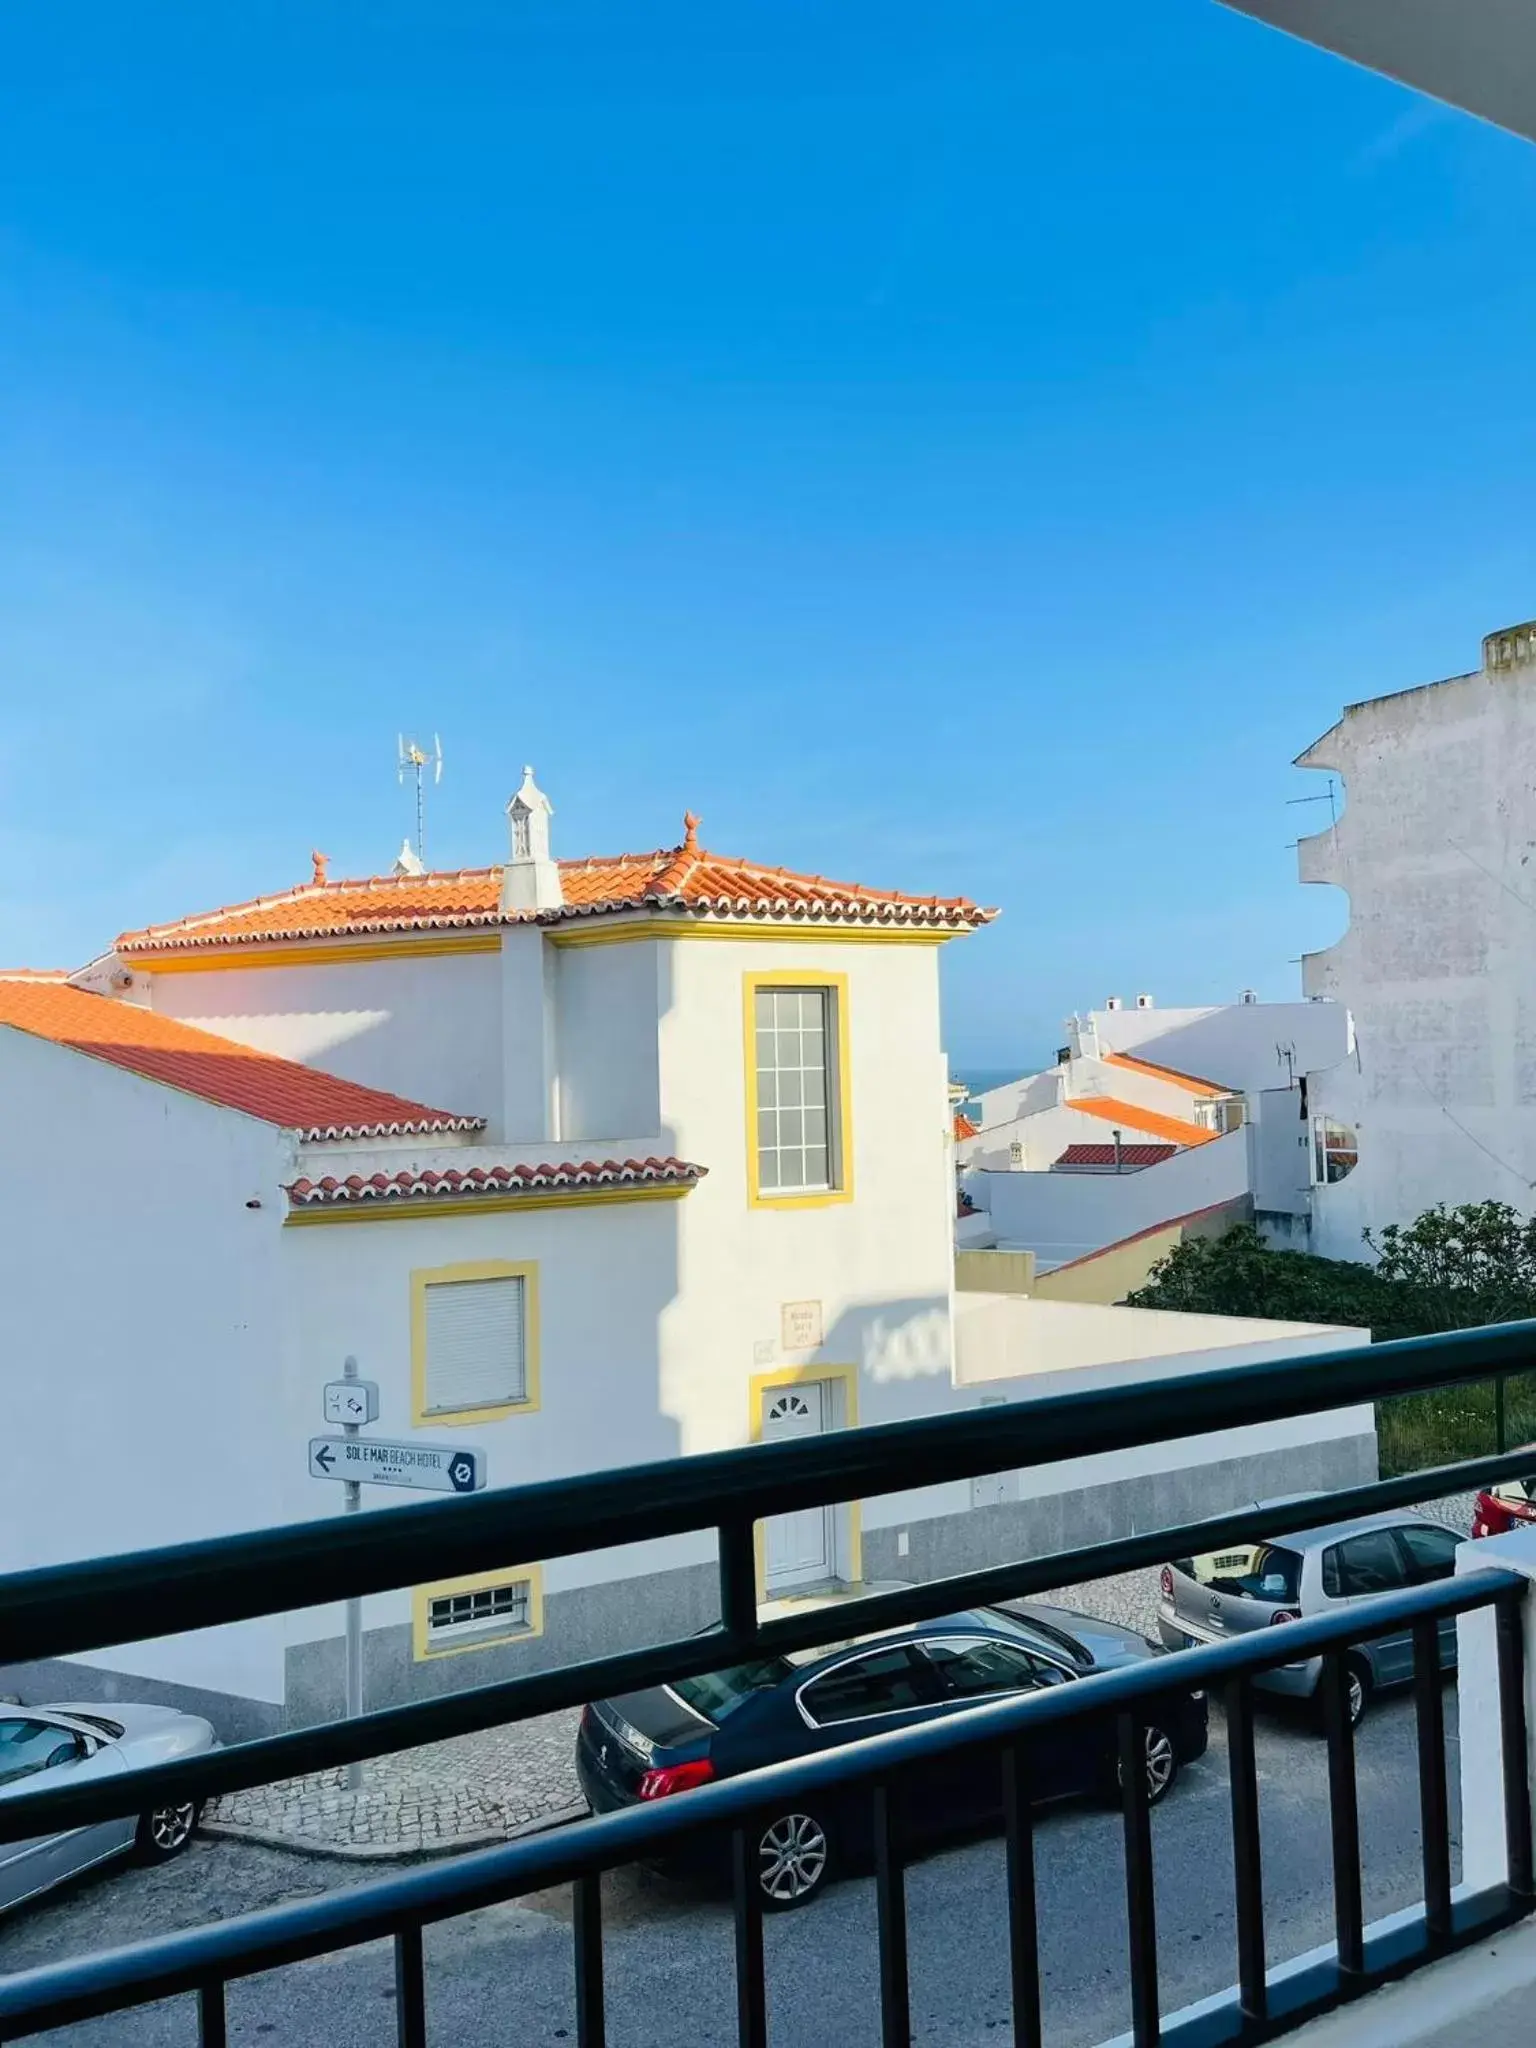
(1436,849)
(586,1163)
(1153,1119)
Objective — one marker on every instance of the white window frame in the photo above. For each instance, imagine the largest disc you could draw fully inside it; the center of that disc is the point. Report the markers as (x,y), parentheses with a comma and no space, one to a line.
(778,1134)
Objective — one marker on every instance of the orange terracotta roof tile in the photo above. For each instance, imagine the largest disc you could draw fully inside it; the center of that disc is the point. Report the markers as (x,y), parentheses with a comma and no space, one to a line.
(235,1076)
(454,1185)
(1131,1116)
(679,878)
(1192,1082)
(964,1128)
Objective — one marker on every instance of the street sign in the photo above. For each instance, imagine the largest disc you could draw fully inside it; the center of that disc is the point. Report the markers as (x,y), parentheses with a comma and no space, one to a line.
(431,1468)
(352,1401)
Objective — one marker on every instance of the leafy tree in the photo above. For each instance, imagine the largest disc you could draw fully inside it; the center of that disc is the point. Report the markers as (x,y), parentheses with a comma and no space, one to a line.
(1460,1267)
(1450,1269)
(1237,1274)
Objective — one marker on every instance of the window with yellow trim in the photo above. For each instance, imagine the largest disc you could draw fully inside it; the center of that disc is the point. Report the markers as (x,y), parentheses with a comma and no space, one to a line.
(475,1343)
(797,1069)
(482,1610)
(477,1613)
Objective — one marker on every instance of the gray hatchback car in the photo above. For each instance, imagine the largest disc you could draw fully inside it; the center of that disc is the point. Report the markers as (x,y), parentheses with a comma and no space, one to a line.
(1245,1586)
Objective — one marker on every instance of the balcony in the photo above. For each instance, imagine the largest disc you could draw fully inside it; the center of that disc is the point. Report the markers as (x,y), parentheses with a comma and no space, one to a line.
(1437,1942)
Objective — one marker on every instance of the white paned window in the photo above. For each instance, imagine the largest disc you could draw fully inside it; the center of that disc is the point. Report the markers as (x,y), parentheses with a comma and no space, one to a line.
(797,1107)
(476,1345)
(454,1618)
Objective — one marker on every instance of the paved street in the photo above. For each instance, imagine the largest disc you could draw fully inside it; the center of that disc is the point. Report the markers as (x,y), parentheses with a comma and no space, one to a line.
(504,1975)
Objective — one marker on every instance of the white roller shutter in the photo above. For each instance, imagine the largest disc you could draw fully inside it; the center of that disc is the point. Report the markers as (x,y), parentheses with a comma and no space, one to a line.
(476,1353)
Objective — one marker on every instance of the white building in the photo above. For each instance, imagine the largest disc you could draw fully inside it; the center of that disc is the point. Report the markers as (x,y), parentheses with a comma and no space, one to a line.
(1436,849)
(686,1181)
(1150,1120)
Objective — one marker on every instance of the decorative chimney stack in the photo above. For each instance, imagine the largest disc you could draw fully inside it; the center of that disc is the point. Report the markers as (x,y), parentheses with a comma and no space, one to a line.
(530,880)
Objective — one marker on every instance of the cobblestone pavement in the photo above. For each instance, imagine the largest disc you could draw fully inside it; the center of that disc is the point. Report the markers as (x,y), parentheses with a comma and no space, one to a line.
(479,1789)
(462,1794)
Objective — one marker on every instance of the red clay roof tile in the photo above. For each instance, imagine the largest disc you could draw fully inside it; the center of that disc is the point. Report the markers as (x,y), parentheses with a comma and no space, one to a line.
(672,878)
(235,1076)
(1132,1155)
(493,1180)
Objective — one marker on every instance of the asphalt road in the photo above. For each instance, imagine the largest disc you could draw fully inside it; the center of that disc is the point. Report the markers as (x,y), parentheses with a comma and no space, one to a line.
(502,1978)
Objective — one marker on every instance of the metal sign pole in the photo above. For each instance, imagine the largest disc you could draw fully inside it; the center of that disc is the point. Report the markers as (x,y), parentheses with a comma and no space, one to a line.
(353,1503)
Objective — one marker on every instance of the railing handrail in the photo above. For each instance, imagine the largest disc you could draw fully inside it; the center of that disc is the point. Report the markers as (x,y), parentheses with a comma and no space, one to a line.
(57,1993)
(385,1730)
(58,1610)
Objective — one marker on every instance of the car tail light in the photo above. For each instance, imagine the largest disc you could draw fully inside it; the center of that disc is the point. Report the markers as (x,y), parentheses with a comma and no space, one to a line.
(676,1778)
(1492,1516)
(1166,1582)
(1283,1614)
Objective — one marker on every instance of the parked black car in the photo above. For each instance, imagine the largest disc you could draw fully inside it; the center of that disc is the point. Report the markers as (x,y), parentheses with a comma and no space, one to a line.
(670,1738)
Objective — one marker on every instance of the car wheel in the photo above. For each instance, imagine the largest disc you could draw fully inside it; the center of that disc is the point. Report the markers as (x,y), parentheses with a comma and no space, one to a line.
(1358,1688)
(1357,1684)
(165,1831)
(794,1861)
(1162,1764)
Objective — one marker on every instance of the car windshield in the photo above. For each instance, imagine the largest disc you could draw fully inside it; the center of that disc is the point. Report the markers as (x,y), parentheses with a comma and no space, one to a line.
(719,1693)
(1252,1571)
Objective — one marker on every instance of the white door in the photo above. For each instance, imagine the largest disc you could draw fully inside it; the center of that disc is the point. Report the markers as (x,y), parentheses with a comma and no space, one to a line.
(800,1548)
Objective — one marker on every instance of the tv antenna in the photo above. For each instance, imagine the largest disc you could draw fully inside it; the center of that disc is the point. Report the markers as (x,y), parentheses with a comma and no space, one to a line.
(415,760)
(1330,798)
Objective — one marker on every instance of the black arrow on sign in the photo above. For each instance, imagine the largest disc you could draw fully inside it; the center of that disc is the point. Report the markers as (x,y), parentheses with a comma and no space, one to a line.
(325,1458)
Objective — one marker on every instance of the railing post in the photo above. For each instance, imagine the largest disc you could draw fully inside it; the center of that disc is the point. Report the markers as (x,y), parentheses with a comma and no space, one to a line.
(1496,1686)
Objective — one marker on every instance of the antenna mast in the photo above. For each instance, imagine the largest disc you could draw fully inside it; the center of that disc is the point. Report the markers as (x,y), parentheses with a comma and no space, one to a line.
(415,760)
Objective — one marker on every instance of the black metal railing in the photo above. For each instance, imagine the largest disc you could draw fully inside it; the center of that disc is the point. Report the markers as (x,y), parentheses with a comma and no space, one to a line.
(206,1960)
(62,1610)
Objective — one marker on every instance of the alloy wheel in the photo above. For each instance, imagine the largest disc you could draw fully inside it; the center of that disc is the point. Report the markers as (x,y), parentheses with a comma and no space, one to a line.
(792,1858)
(1161,1762)
(170,1828)
(1356,1696)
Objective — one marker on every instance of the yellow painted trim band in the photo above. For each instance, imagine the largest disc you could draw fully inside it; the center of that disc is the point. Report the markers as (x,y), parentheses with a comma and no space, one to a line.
(616,932)
(407,946)
(837,986)
(424,1277)
(794,1376)
(422,1597)
(479,1205)
(603,931)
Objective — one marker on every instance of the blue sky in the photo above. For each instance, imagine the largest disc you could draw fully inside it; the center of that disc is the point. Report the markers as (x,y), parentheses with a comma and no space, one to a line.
(967,448)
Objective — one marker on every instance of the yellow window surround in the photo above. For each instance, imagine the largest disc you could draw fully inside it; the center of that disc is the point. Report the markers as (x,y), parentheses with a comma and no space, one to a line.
(530,1575)
(425,1277)
(840,1121)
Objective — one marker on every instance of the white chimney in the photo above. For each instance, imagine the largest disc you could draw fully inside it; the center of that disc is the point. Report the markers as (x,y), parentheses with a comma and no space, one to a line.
(408,860)
(1143,1002)
(1249,995)
(1113,1003)
(530,880)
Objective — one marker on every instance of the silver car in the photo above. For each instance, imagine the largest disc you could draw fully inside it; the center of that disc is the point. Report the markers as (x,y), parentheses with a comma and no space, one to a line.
(1248,1586)
(41,1747)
